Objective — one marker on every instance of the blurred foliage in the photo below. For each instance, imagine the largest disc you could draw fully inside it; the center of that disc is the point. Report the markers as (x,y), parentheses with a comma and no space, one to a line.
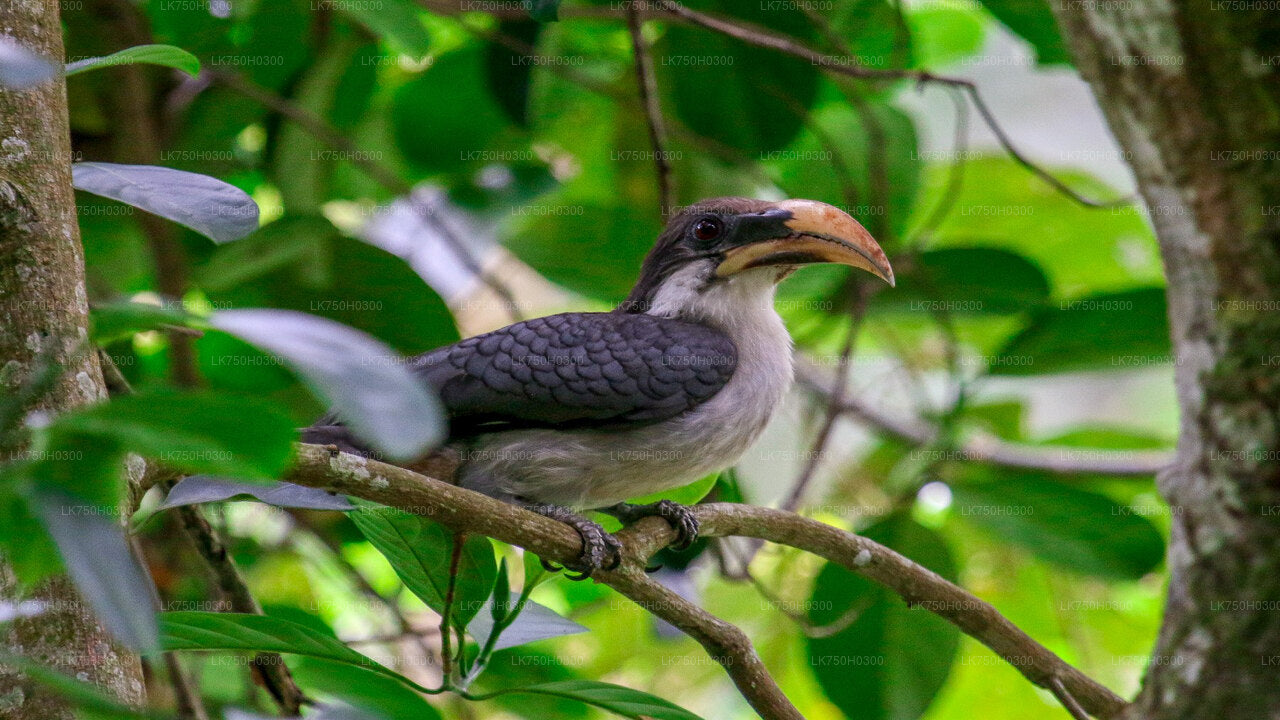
(533,134)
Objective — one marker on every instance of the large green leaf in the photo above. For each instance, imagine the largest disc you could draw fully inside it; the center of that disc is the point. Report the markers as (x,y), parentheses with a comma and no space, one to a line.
(361,688)
(117,320)
(196,431)
(1109,331)
(1076,529)
(191,630)
(1033,21)
(616,699)
(421,551)
(971,280)
(747,97)
(891,660)
(509,71)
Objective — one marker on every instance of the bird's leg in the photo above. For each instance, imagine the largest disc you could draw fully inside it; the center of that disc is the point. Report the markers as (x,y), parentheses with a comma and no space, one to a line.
(600,550)
(680,517)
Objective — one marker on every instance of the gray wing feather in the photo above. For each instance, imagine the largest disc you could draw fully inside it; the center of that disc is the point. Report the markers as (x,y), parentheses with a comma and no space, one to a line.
(579,368)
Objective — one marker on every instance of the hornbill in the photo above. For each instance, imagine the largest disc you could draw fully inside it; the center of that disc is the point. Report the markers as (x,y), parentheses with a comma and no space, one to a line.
(585,410)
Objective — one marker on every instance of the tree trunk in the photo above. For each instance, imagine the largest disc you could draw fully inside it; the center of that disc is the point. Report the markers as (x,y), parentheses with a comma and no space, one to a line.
(44,315)
(1190,89)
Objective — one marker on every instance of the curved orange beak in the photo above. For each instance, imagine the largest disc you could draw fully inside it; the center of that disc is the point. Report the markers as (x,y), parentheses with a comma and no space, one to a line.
(819,233)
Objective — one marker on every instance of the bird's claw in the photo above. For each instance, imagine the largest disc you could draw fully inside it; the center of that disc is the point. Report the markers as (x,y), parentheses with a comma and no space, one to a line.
(600,549)
(680,517)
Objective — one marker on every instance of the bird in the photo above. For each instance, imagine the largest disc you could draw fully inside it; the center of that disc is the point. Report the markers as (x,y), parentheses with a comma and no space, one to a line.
(583,410)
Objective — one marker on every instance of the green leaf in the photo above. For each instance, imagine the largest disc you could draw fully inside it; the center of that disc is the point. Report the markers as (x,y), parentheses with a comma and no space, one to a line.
(211,207)
(1032,20)
(117,320)
(364,382)
(361,688)
(440,136)
(890,662)
(609,243)
(103,568)
(1075,529)
(26,545)
(195,431)
(191,630)
(204,489)
(747,97)
(970,280)
(944,34)
(616,699)
(166,55)
(509,71)
(1107,331)
(395,20)
(420,551)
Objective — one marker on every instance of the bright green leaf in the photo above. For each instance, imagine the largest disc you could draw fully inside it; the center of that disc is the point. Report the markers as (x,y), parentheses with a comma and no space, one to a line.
(421,552)
(617,699)
(166,55)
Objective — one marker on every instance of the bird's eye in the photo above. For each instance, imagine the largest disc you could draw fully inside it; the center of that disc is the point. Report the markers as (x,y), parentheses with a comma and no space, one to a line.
(707,229)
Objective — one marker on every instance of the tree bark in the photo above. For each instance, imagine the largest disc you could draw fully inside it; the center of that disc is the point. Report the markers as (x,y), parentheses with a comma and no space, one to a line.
(44,316)
(1190,89)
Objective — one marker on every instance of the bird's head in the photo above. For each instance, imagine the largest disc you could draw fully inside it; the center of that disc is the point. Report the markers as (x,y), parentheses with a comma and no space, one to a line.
(748,245)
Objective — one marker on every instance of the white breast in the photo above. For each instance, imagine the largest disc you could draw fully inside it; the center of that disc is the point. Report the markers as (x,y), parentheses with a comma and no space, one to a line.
(588,469)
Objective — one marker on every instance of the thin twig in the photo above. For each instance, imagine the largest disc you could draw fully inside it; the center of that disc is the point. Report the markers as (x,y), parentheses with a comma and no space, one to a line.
(462,510)
(652,110)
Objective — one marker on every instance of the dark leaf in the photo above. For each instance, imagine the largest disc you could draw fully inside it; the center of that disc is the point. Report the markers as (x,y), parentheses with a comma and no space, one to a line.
(747,97)
(211,207)
(1032,20)
(890,662)
(361,379)
(1108,331)
(103,568)
(1076,529)
(972,280)
(204,489)
(510,71)
(544,11)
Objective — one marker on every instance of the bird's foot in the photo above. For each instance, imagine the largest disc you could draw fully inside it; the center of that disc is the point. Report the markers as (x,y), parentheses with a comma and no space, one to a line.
(600,549)
(680,517)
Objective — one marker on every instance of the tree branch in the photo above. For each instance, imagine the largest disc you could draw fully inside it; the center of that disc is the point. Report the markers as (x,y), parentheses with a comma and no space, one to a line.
(463,510)
(989,449)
